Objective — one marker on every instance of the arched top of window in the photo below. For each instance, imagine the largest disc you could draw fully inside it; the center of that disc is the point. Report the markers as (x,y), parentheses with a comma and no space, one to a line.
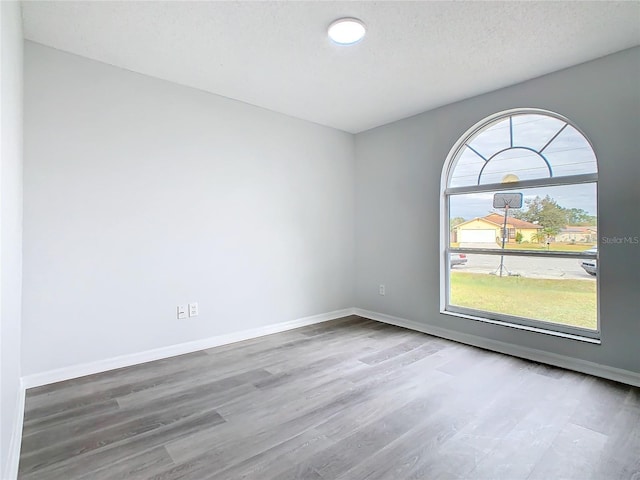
(520,145)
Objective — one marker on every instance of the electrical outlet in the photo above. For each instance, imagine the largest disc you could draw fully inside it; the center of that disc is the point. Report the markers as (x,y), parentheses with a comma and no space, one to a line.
(193,309)
(381,289)
(182,311)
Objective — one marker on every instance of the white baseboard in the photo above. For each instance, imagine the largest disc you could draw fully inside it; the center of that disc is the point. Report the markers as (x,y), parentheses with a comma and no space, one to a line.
(75,371)
(570,363)
(81,370)
(13,457)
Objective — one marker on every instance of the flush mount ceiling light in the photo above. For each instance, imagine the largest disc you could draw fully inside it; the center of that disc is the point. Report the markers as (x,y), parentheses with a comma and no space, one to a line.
(346,31)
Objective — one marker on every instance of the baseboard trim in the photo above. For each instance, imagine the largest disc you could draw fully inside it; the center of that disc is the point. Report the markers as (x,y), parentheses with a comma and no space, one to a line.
(13,457)
(75,371)
(570,363)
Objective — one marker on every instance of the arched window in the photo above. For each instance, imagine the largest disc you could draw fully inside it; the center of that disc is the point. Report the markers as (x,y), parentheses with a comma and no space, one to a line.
(520,225)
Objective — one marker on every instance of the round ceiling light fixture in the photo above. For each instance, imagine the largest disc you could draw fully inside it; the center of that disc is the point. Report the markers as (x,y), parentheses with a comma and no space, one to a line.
(347,31)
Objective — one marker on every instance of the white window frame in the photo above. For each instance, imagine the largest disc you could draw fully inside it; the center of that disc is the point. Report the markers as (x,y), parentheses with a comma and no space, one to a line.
(550,328)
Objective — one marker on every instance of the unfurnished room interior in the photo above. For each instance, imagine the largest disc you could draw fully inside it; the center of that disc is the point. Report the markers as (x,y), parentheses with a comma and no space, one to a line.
(320,240)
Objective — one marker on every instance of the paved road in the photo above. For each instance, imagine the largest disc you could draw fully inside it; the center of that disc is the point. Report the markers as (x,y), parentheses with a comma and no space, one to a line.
(527,266)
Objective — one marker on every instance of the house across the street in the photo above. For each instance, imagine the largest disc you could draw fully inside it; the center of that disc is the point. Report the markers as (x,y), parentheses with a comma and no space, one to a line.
(488,229)
(576,234)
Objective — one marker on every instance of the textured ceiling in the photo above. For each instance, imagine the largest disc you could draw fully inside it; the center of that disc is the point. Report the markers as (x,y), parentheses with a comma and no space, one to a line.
(416,55)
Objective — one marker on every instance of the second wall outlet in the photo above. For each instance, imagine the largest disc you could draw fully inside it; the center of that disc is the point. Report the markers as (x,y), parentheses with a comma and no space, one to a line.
(381,289)
(193,309)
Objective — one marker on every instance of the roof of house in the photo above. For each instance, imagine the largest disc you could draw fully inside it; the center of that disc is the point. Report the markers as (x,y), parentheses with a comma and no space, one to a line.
(498,220)
(578,229)
(516,223)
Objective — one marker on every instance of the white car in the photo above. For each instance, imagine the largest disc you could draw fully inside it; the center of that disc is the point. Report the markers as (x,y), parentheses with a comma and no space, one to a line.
(590,265)
(457,259)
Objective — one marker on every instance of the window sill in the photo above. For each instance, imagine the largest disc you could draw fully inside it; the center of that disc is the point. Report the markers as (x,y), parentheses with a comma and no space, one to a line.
(527,328)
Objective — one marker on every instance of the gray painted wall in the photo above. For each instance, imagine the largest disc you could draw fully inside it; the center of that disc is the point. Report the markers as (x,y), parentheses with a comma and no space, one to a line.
(141,195)
(10,225)
(398,171)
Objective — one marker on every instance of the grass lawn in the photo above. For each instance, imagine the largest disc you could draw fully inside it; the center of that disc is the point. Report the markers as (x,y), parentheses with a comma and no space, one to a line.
(553,247)
(569,302)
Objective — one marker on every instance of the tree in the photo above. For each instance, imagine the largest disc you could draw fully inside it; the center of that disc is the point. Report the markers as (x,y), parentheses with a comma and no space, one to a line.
(539,237)
(580,217)
(545,212)
(455,222)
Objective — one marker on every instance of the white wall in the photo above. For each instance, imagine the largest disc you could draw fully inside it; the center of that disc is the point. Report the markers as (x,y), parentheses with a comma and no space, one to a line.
(10,231)
(398,171)
(141,195)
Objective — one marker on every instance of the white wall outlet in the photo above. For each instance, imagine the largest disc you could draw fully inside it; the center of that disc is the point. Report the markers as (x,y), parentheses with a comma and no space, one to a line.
(182,311)
(381,290)
(193,309)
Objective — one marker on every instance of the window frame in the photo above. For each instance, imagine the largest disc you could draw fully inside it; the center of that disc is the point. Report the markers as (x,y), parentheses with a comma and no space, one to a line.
(523,323)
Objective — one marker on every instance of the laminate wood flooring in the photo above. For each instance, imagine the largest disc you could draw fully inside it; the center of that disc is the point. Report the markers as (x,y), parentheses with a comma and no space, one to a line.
(350,399)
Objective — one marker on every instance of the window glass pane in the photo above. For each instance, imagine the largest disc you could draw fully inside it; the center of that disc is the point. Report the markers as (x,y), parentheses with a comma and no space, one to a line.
(466,169)
(537,140)
(571,154)
(492,139)
(558,218)
(534,130)
(522,163)
(554,290)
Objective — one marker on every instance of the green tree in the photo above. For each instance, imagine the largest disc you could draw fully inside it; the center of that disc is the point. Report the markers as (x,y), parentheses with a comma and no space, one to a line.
(539,237)
(455,222)
(580,217)
(545,212)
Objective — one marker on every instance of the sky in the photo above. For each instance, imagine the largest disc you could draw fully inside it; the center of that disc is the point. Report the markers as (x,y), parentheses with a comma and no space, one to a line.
(529,146)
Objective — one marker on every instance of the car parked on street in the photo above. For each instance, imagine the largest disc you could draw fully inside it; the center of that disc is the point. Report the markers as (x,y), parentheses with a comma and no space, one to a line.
(590,265)
(458,259)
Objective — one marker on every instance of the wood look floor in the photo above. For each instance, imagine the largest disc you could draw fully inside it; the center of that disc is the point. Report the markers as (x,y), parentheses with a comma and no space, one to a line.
(350,399)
